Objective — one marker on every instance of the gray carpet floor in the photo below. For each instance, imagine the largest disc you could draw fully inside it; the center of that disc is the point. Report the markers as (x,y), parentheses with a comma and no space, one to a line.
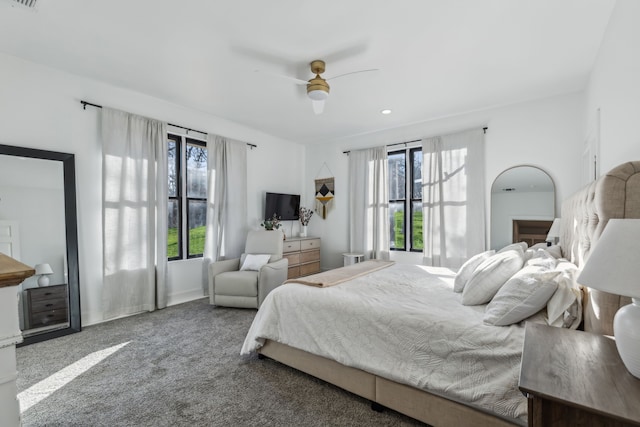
(182,367)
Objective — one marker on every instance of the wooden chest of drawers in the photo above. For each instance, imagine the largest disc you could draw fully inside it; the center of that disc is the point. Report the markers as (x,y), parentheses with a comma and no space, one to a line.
(303,254)
(47,306)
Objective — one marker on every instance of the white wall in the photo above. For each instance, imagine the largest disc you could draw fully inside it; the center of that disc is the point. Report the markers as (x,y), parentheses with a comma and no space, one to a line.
(614,87)
(544,133)
(40,108)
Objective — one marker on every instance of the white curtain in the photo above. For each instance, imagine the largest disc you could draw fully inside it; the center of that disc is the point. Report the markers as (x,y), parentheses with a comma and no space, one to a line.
(453,198)
(134,213)
(369,203)
(226,229)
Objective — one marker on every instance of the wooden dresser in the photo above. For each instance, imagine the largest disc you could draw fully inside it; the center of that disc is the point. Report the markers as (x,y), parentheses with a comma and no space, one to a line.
(575,378)
(303,254)
(47,306)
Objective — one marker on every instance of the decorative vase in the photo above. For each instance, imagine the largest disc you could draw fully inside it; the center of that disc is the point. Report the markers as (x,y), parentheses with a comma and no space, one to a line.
(303,231)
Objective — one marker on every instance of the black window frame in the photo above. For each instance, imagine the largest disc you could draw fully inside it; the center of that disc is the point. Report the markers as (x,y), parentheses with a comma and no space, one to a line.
(403,201)
(412,199)
(187,199)
(409,199)
(177,139)
(182,142)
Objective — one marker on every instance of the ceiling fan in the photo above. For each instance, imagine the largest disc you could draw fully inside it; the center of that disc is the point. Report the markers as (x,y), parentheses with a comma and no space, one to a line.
(318,87)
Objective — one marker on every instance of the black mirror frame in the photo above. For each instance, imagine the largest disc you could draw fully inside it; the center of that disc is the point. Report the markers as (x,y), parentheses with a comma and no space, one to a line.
(71,232)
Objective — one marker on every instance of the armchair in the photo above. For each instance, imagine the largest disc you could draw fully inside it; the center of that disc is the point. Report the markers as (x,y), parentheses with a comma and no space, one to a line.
(231,287)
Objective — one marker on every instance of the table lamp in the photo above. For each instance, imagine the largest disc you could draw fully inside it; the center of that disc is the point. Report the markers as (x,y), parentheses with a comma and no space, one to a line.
(43,270)
(614,267)
(554,233)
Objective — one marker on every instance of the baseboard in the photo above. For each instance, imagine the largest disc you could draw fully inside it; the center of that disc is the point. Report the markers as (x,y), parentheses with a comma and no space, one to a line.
(186,296)
(94,318)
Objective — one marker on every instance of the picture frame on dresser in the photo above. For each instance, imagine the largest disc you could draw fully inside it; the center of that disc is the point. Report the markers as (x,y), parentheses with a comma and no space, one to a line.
(71,288)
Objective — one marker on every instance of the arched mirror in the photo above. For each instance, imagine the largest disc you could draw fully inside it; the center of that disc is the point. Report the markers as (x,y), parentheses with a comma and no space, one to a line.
(38,226)
(522,206)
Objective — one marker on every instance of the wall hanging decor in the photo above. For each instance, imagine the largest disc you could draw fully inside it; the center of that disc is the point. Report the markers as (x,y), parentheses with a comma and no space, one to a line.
(325,192)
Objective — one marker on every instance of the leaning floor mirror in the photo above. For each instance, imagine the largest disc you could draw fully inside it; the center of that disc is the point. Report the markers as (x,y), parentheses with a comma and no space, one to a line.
(522,206)
(38,226)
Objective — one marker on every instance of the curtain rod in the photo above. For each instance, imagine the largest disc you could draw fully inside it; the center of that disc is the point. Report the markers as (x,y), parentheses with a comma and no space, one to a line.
(484,129)
(85,103)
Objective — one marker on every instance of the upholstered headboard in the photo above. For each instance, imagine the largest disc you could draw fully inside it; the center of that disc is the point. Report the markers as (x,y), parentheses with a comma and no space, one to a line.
(584,216)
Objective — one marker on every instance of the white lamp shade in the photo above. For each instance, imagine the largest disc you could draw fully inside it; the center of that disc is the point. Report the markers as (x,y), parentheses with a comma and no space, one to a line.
(43,269)
(614,263)
(554,231)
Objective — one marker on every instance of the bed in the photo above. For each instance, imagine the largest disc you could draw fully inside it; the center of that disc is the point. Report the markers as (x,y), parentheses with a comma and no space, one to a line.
(407,329)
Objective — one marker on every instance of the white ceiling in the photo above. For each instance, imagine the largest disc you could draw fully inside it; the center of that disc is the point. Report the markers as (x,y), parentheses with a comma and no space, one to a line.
(436,57)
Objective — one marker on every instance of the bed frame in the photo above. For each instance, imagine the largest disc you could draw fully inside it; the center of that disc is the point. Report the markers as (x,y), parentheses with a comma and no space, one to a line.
(584,216)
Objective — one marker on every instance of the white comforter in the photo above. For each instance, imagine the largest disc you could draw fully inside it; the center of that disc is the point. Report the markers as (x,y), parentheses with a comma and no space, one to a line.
(406,324)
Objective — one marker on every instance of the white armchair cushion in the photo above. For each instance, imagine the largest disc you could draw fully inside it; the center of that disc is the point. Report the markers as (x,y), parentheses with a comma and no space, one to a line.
(254,262)
(237,283)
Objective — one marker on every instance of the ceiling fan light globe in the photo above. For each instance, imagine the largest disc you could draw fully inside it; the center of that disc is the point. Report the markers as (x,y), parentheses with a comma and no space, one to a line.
(318,95)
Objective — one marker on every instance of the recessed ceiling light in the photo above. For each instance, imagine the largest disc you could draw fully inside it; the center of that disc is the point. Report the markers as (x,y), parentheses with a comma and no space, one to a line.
(386,111)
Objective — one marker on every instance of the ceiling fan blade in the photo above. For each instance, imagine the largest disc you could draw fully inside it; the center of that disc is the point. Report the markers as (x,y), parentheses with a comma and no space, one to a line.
(318,106)
(282,76)
(354,72)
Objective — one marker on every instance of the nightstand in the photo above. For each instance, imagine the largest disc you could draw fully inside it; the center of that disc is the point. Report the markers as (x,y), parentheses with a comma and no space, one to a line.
(575,378)
(352,258)
(46,306)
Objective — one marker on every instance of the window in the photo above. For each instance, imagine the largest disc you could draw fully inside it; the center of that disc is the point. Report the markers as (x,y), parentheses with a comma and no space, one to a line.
(187,190)
(405,199)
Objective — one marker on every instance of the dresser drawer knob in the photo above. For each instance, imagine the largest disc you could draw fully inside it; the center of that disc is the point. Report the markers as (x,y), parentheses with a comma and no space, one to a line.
(48,305)
(48,293)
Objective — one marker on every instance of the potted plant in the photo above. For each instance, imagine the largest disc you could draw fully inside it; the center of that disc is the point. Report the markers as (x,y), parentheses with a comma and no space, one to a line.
(304,215)
(272,223)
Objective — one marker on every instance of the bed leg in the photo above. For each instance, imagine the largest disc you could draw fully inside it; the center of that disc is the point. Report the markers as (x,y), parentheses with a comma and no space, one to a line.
(377,407)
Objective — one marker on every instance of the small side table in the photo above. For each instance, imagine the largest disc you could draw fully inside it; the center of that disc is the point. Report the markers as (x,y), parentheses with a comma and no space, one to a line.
(576,378)
(352,258)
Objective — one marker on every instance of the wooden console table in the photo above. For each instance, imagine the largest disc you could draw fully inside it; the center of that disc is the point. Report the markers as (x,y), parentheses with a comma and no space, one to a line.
(12,273)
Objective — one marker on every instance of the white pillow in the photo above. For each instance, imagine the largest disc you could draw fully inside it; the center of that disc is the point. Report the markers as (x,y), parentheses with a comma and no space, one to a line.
(490,275)
(254,262)
(540,257)
(554,250)
(564,309)
(521,245)
(468,268)
(525,294)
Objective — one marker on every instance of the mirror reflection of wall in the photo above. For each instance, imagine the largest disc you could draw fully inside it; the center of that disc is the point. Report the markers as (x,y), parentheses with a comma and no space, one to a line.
(519,193)
(32,200)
